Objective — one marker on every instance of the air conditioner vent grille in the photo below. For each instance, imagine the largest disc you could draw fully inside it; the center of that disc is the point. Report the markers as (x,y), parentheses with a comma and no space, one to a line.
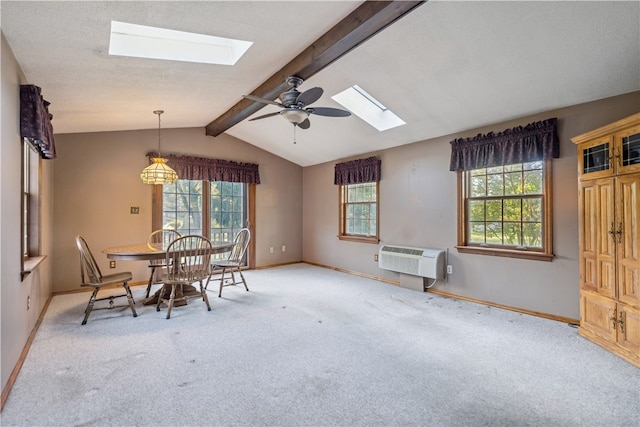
(401,250)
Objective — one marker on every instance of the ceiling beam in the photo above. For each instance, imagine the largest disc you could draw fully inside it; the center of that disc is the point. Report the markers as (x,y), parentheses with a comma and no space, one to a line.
(360,25)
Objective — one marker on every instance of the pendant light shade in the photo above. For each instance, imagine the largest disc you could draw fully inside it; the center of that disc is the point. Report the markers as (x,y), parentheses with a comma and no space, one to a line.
(158,172)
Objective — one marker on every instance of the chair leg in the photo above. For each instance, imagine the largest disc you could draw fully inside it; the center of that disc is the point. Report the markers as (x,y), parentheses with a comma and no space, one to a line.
(87,310)
(203,292)
(172,298)
(244,282)
(153,272)
(127,288)
(222,281)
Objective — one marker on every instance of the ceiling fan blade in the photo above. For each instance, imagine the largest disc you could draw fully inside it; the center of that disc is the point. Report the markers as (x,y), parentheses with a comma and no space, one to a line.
(264,101)
(264,116)
(309,96)
(304,124)
(329,112)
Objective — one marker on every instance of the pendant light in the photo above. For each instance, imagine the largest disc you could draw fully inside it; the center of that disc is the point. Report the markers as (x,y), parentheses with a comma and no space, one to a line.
(158,172)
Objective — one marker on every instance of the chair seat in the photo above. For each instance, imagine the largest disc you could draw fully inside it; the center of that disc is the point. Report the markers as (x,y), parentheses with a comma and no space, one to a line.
(112,279)
(226,263)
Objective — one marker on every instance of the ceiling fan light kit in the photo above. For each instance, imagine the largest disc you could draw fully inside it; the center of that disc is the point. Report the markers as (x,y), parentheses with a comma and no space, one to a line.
(295,104)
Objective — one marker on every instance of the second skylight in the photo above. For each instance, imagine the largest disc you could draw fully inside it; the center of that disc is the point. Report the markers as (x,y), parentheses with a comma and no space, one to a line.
(365,106)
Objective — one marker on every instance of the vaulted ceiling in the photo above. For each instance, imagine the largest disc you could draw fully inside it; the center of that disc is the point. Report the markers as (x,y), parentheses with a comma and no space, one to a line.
(444,67)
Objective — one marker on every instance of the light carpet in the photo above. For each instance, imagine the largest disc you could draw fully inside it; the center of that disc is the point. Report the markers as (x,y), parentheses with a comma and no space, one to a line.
(309,346)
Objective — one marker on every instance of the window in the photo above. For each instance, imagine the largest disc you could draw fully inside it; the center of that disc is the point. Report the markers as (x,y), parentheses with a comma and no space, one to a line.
(216,210)
(30,223)
(506,210)
(359,212)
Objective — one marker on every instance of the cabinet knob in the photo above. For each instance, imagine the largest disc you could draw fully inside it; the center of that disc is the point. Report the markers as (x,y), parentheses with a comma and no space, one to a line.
(619,232)
(613,320)
(621,322)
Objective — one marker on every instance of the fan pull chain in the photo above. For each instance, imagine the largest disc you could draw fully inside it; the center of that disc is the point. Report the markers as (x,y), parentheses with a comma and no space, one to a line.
(294,133)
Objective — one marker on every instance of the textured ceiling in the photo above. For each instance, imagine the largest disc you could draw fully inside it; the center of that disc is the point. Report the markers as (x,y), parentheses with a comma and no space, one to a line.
(446,67)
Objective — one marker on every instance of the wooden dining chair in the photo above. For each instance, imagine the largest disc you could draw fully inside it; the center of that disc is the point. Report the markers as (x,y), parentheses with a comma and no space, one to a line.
(234,263)
(162,237)
(91,275)
(188,260)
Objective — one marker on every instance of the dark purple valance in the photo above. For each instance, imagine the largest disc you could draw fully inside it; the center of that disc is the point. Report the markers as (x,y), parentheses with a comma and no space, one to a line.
(35,121)
(200,168)
(533,142)
(357,171)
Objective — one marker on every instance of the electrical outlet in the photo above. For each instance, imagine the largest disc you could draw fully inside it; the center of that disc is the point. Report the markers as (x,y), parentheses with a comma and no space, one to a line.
(135,210)
(271,249)
(28,303)
(449,269)
(284,248)
(375,257)
(112,264)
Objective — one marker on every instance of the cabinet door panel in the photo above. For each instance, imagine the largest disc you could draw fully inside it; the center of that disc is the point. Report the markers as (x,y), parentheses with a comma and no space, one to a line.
(598,315)
(628,236)
(588,214)
(629,329)
(606,245)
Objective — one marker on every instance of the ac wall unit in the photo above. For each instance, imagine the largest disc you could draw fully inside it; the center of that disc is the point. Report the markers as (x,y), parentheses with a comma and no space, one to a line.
(416,261)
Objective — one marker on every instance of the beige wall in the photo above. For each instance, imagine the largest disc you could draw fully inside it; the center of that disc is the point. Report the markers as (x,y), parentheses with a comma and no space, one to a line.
(17,321)
(418,208)
(97,180)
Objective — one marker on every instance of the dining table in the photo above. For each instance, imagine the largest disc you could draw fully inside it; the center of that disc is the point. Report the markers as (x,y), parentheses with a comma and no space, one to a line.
(156,251)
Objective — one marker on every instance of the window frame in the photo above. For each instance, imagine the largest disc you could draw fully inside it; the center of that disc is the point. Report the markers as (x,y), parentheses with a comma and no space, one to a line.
(342,217)
(543,254)
(31,164)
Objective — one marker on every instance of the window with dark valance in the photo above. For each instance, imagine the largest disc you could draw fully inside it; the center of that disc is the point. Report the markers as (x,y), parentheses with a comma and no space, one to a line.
(35,121)
(199,168)
(357,171)
(533,142)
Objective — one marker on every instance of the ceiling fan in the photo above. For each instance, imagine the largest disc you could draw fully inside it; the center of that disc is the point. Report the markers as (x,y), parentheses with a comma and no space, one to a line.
(294,105)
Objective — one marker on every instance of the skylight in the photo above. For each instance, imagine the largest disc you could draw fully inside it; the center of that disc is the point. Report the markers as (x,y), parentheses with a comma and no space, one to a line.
(159,43)
(365,106)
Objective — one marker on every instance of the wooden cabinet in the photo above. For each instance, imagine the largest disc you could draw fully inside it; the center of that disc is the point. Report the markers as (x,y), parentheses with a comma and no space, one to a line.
(609,235)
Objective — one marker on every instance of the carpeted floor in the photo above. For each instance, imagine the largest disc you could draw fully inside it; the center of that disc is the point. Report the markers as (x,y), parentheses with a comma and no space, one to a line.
(313,347)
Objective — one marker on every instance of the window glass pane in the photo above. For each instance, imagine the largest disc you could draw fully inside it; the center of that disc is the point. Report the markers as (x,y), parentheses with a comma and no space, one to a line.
(372,212)
(478,186)
(495,185)
(494,210)
(476,230)
(533,182)
(475,172)
(351,194)
(494,233)
(511,233)
(349,211)
(495,170)
(532,234)
(532,210)
(476,210)
(512,210)
(513,183)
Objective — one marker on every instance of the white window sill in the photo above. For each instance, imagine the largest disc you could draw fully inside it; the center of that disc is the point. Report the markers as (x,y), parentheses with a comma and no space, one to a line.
(30,264)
